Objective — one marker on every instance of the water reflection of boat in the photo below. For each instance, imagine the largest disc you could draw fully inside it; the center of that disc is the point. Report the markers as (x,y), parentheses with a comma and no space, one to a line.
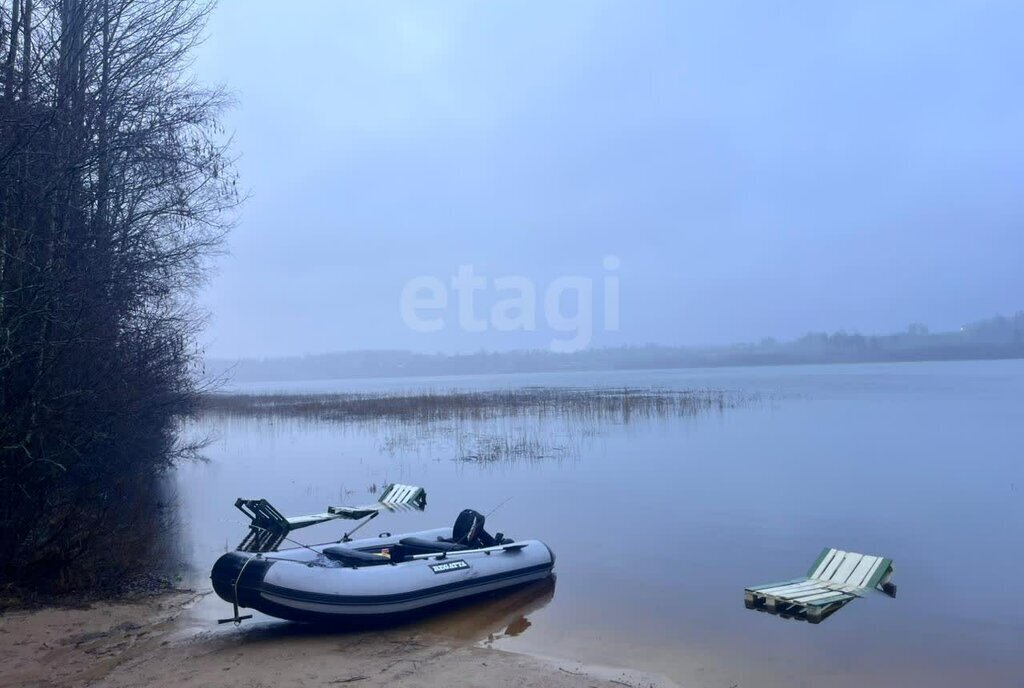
(372,578)
(491,617)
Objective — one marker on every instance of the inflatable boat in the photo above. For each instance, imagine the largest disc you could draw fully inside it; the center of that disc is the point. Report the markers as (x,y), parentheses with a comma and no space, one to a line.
(370,578)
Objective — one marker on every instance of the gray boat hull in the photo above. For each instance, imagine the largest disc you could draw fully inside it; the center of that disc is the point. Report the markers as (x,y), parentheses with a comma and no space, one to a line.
(301,585)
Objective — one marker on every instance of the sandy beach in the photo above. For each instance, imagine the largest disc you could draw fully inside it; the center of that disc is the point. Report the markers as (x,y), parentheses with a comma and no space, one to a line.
(155,640)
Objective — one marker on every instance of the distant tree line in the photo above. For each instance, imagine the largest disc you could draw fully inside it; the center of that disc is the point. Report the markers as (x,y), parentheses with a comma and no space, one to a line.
(999,337)
(113,185)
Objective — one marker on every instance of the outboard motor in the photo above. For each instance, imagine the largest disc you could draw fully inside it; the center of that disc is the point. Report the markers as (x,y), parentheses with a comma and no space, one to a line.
(469,530)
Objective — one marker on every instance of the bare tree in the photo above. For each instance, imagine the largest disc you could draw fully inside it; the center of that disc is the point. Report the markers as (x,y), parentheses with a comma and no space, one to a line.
(12,48)
(114,186)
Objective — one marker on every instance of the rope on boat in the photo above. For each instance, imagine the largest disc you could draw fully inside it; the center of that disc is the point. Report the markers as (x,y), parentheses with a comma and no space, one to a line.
(234,603)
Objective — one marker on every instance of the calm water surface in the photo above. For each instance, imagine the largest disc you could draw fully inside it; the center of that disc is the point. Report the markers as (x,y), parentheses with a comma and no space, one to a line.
(659,524)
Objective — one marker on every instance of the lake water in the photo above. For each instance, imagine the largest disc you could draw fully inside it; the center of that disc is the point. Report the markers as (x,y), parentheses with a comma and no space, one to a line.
(659,524)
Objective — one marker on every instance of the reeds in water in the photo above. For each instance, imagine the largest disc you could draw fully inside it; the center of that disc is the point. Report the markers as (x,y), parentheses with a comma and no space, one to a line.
(599,404)
(531,423)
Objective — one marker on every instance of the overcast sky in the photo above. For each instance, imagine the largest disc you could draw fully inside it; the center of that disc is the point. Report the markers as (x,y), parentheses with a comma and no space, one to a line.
(753,169)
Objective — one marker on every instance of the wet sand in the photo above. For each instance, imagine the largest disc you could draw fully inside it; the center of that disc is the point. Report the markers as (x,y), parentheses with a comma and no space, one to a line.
(159,641)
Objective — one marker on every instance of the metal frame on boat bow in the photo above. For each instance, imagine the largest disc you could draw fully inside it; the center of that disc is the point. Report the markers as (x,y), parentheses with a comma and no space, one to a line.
(268,527)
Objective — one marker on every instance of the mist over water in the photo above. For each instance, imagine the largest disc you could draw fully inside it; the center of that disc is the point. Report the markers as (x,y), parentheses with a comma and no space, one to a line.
(741,172)
(455,201)
(660,522)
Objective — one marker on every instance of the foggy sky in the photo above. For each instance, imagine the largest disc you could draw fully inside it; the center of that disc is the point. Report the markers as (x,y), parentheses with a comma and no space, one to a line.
(757,169)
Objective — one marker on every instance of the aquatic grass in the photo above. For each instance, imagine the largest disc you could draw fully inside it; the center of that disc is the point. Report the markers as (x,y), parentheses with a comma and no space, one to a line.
(598,404)
(480,427)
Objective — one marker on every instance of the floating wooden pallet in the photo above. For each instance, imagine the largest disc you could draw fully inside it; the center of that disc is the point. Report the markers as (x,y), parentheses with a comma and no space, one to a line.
(835,579)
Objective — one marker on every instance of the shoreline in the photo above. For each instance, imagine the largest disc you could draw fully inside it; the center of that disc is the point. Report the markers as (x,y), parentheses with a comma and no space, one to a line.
(151,640)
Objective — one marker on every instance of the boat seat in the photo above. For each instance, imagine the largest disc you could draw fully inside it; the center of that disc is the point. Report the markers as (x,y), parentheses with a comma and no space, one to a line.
(422,545)
(467,533)
(353,557)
